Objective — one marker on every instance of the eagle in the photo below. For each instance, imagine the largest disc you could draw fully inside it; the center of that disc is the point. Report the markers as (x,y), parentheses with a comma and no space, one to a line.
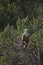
(25,38)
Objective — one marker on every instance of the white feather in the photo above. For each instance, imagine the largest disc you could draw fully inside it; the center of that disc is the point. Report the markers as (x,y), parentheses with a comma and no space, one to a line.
(25,33)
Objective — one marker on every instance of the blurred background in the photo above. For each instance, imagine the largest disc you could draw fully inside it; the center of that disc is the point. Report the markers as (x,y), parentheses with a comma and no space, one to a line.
(15,16)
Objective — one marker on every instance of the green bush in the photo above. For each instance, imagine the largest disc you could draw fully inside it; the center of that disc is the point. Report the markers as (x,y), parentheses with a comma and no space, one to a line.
(24,23)
(10,34)
(8,15)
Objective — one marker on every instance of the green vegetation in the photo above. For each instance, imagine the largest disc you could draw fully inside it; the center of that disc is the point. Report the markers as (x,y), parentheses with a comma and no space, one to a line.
(15,16)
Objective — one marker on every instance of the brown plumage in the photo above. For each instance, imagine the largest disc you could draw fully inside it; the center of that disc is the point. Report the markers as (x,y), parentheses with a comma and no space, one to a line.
(25,38)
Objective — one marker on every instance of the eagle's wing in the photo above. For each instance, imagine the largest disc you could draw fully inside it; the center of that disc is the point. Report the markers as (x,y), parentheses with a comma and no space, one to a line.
(22,37)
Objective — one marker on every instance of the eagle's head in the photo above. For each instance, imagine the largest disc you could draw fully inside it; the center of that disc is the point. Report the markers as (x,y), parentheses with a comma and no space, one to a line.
(25,30)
